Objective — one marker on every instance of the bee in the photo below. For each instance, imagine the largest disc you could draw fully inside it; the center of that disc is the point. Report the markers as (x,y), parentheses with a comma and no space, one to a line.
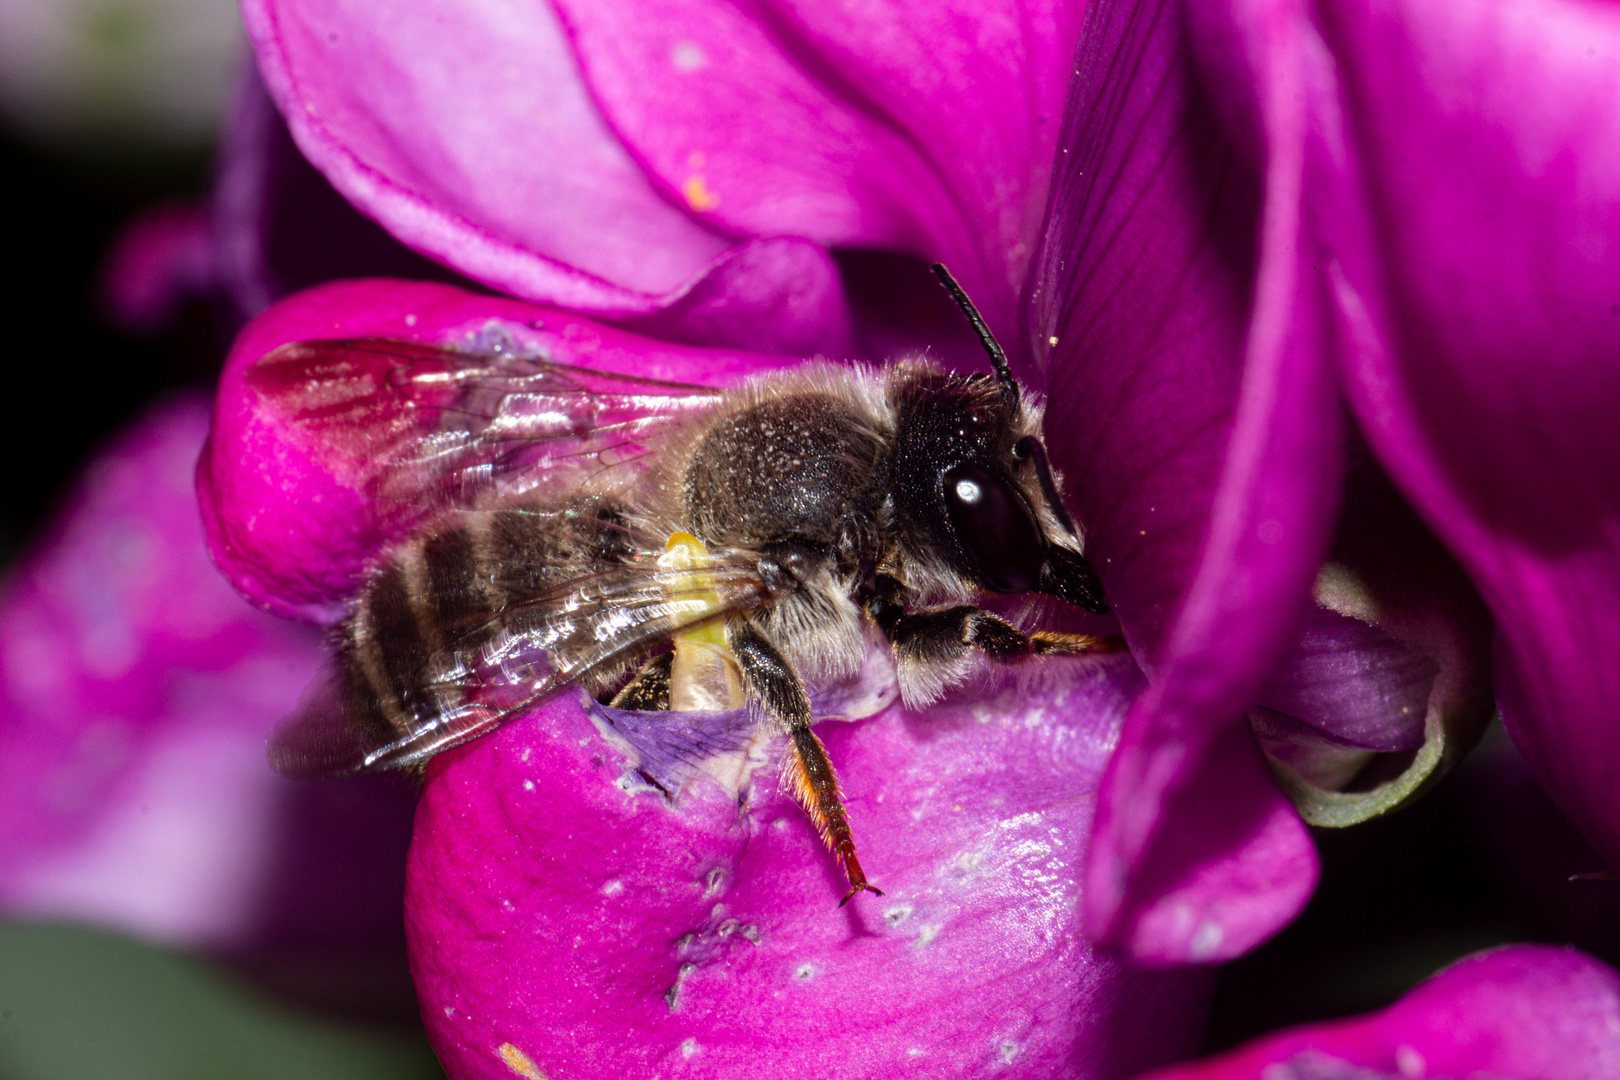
(670,546)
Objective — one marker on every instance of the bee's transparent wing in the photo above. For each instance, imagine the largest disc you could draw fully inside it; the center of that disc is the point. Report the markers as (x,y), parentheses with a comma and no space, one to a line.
(490,674)
(431,428)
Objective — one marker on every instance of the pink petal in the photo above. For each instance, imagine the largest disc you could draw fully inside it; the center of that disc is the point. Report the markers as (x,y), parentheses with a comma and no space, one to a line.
(927,129)
(137,694)
(286,516)
(1529,1012)
(475,141)
(279,226)
(1465,209)
(564,914)
(1201,439)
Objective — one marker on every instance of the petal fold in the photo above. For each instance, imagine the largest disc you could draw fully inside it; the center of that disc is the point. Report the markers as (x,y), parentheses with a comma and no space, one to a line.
(1203,443)
(1464,208)
(475,142)
(1393,673)
(474,139)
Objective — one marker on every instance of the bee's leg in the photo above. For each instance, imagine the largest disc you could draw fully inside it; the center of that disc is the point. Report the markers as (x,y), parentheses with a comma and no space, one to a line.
(782,693)
(649,690)
(944,635)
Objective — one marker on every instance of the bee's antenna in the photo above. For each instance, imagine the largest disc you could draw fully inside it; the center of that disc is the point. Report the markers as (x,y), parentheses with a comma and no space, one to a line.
(998,358)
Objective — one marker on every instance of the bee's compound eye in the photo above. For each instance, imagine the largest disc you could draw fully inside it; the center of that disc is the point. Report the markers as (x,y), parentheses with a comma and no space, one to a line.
(996,528)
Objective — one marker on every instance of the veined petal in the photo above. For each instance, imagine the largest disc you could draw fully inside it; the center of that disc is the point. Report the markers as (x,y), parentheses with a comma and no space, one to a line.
(567,918)
(1202,441)
(287,514)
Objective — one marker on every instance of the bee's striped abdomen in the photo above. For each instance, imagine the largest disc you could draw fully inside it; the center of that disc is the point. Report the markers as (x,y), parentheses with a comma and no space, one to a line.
(453,585)
(450,591)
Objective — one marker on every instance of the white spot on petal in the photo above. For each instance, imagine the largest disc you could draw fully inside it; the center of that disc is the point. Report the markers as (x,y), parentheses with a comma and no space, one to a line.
(687,57)
(1205,940)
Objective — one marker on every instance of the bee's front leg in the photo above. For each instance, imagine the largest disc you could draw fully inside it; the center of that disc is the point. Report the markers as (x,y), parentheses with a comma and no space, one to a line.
(934,649)
(944,635)
(780,690)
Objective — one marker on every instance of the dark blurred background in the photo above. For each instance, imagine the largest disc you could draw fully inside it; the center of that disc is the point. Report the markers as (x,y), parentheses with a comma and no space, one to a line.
(1483,860)
(71,377)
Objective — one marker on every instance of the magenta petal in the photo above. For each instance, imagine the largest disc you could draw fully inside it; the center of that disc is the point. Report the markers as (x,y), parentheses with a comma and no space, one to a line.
(1494,399)
(286,514)
(781,294)
(928,129)
(1205,468)
(1528,1012)
(564,914)
(137,693)
(1228,865)
(160,259)
(1465,209)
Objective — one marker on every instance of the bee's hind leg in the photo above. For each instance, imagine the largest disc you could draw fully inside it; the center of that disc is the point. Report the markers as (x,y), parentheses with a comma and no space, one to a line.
(649,690)
(782,693)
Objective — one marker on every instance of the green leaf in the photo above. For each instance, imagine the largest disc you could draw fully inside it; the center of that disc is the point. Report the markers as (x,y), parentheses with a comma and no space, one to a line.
(77,1003)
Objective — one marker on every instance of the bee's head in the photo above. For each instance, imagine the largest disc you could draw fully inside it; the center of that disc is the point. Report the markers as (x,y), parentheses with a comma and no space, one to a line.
(972,483)
(972,488)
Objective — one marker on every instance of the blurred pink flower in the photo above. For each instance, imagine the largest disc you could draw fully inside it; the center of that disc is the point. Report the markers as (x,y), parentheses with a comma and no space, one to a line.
(162,257)
(138,694)
(138,690)
(1527,1012)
